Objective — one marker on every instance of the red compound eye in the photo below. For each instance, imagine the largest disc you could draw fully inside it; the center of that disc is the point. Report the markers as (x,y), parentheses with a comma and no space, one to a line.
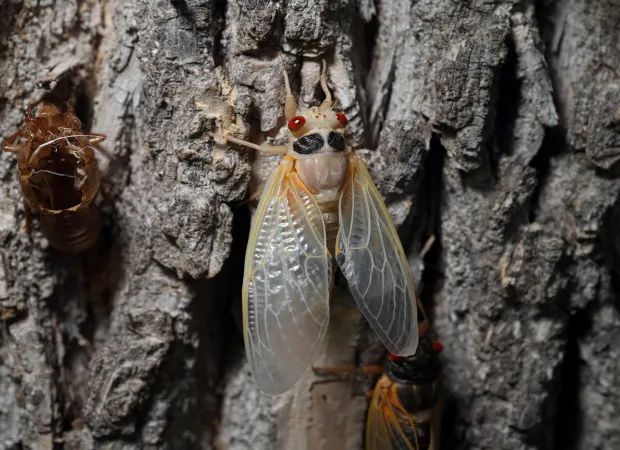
(296,123)
(396,358)
(342,118)
(437,347)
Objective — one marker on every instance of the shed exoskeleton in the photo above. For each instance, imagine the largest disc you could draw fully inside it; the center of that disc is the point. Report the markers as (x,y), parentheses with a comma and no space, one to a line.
(59,175)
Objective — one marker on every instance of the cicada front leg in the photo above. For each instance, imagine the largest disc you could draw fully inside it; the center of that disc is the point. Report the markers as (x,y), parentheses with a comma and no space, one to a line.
(346,371)
(335,370)
(253,196)
(271,150)
(9,143)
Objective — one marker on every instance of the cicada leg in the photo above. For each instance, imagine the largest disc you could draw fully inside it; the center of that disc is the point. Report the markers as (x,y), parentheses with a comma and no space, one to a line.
(253,196)
(364,370)
(27,218)
(272,150)
(9,145)
(96,137)
(423,326)
(12,148)
(95,140)
(290,109)
(427,245)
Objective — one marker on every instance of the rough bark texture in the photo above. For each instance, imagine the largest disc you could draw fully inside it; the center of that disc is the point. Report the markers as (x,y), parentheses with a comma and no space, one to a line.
(492,125)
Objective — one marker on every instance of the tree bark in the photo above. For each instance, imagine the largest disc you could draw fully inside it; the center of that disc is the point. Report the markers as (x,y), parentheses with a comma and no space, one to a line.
(492,126)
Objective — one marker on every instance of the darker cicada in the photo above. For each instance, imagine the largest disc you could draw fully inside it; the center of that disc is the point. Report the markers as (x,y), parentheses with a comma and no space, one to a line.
(405,406)
(405,410)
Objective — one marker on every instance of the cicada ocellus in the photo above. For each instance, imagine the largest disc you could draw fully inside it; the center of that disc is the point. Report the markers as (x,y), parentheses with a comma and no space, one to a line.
(320,204)
(59,175)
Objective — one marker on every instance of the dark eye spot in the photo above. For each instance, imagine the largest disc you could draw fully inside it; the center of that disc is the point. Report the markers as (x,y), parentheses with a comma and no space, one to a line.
(309,144)
(335,140)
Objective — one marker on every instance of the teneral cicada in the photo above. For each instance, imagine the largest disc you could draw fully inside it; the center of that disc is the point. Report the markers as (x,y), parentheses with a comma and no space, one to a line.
(405,410)
(59,175)
(320,204)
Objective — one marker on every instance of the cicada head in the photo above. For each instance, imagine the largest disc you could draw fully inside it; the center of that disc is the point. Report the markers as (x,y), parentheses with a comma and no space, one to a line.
(57,164)
(317,118)
(422,366)
(318,129)
(46,120)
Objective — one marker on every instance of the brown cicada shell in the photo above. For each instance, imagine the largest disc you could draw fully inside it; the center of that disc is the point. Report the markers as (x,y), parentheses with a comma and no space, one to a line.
(59,175)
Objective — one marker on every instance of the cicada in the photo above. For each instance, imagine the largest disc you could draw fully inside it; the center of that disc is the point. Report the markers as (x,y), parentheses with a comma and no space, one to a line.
(318,206)
(59,175)
(405,410)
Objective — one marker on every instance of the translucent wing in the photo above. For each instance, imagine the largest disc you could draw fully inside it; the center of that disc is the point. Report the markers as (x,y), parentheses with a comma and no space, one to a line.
(372,259)
(286,283)
(384,424)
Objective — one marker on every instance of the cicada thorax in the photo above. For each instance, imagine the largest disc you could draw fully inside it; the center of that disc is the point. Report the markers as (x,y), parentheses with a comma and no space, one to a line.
(319,149)
(59,176)
(324,177)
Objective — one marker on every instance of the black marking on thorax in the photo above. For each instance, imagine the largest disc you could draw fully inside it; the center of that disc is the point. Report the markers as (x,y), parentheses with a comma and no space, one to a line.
(309,144)
(335,140)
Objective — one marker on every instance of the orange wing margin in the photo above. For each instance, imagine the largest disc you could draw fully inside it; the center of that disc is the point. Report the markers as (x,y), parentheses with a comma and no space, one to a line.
(387,420)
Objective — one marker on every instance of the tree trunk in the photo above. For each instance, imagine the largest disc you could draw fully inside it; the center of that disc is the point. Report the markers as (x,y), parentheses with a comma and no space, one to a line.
(492,126)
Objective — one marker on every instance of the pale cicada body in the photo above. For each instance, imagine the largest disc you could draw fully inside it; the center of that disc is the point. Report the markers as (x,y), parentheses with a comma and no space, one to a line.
(59,176)
(319,205)
(405,410)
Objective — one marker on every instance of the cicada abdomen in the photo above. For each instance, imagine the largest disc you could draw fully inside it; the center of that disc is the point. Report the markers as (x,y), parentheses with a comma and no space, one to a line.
(405,410)
(59,175)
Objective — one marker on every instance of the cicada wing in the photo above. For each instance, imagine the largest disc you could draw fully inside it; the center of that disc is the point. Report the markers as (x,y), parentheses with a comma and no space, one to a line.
(286,283)
(372,259)
(384,424)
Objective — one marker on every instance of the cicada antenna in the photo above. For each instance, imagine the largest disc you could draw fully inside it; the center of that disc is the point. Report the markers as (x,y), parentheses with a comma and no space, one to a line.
(290,104)
(271,150)
(328,102)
